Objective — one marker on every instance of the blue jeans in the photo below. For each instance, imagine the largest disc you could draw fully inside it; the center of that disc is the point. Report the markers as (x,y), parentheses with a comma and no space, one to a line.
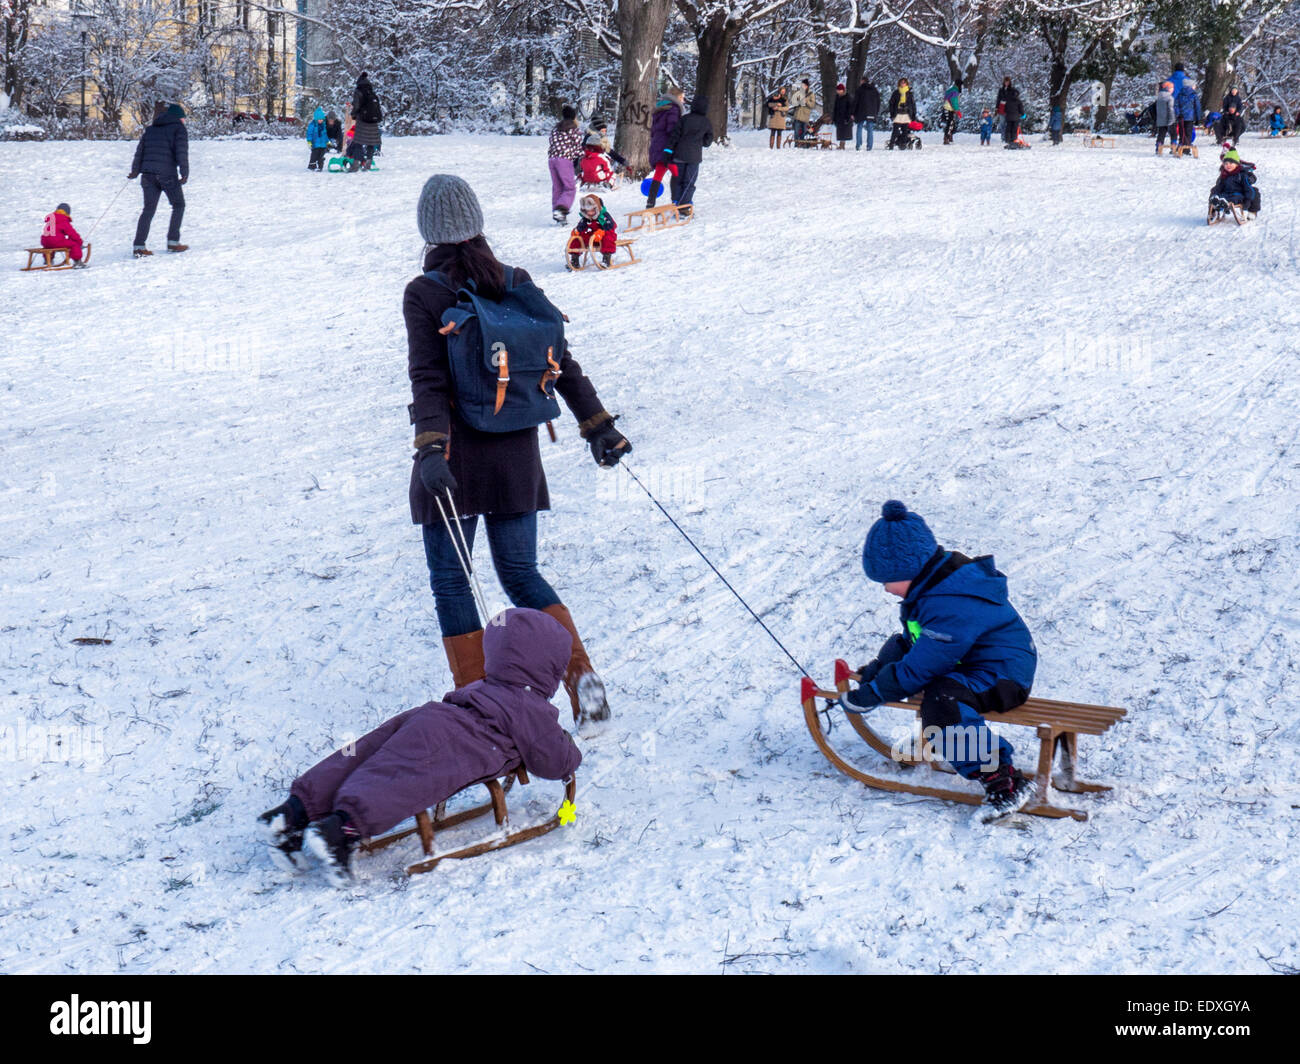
(512,539)
(870,126)
(800,129)
(683,185)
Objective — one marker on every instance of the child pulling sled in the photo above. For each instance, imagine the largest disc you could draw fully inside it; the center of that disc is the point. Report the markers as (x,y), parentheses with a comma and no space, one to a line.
(962,644)
(482,731)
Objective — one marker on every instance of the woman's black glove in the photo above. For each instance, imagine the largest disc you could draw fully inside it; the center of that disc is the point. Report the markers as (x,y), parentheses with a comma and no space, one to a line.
(435,474)
(608,445)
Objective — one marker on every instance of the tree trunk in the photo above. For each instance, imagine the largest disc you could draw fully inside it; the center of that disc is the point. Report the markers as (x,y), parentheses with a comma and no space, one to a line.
(858,61)
(1218,76)
(827,71)
(714,40)
(641,27)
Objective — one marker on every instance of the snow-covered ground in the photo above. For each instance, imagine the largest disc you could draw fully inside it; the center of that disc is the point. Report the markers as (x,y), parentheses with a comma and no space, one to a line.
(204,459)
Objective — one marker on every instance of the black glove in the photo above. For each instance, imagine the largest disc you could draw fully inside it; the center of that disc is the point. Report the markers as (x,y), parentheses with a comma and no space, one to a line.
(896,646)
(608,445)
(435,474)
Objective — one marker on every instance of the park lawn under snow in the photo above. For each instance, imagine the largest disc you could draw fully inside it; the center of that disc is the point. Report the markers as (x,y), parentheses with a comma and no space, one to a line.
(1048,354)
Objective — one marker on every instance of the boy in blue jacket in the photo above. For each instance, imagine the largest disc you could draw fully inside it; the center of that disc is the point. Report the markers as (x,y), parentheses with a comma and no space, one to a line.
(962,643)
(986,128)
(317,139)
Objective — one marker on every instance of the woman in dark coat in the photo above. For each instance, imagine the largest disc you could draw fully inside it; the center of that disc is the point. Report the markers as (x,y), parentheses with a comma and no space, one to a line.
(367,114)
(494,475)
(842,115)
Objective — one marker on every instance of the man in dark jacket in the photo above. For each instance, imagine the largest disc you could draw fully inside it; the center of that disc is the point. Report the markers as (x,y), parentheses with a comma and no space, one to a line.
(1234,116)
(866,109)
(1014,111)
(419,758)
(162,162)
(686,146)
(962,643)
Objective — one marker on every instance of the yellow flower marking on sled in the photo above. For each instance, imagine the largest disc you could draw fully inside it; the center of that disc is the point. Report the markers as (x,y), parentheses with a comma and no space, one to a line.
(568,812)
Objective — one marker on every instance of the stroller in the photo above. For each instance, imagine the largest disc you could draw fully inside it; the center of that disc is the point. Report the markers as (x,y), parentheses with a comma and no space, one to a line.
(905,136)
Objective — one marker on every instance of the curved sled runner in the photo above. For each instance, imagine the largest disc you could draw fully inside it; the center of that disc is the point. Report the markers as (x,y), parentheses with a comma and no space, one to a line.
(51,260)
(589,255)
(1057,725)
(426,825)
(652,219)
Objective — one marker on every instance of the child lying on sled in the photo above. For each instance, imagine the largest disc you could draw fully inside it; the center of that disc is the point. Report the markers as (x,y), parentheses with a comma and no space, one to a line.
(422,757)
(962,643)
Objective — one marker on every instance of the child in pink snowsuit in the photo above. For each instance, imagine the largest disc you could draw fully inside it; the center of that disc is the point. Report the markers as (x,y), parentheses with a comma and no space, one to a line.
(59,233)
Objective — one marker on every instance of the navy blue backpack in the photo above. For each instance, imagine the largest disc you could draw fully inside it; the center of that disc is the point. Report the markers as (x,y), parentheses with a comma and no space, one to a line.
(505,356)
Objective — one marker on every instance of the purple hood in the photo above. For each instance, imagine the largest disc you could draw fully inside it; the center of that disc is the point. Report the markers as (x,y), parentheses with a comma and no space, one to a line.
(526,648)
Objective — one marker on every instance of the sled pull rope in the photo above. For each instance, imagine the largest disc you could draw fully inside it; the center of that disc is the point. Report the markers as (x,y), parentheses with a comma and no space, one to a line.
(91,231)
(461,546)
(802,670)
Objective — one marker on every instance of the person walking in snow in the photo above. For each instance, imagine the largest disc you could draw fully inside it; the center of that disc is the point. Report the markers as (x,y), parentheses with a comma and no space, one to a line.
(1013,112)
(962,643)
(776,121)
(1188,105)
(866,109)
(902,113)
(366,116)
(563,151)
(162,162)
(686,146)
(317,140)
(482,730)
(496,476)
(1166,115)
(667,113)
(951,110)
(842,115)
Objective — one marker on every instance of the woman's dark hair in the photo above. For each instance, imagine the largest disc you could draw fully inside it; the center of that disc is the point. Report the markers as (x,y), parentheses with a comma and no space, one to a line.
(568,113)
(474,261)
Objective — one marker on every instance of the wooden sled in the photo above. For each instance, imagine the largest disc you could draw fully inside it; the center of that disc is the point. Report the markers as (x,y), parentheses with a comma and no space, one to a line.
(654,218)
(589,254)
(426,826)
(1221,212)
(1180,150)
(1098,141)
(49,257)
(1057,725)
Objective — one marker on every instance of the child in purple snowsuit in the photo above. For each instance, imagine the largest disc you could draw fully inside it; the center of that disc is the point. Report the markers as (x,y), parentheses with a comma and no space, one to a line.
(419,758)
(562,153)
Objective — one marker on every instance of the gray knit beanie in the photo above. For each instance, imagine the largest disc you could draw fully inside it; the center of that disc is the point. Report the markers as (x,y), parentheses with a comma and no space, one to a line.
(448,211)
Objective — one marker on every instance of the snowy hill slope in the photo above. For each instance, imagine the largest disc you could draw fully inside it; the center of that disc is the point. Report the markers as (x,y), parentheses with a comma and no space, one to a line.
(203,458)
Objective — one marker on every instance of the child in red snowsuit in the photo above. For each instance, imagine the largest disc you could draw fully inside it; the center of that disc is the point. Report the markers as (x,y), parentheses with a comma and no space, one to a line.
(596,227)
(596,169)
(59,233)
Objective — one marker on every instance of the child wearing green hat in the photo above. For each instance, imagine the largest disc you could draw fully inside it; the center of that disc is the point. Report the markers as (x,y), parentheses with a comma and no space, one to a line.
(963,644)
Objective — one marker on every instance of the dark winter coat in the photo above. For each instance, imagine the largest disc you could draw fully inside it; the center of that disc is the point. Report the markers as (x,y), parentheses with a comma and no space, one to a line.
(899,106)
(1188,104)
(334,131)
(1233,99)
(366,134)
(1234,186)
(866,103)
(482,731)
(1003,94)
(1009,98)
(842,115)
(365,102)
(164,149)
(692,134)
(496,472)
(667,114)
(961,625)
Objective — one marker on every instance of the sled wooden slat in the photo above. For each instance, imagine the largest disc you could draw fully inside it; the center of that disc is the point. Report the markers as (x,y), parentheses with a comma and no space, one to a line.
(651,219)
(589,254)
(426,826)
(48,256)
(1056,724)
(1096,141)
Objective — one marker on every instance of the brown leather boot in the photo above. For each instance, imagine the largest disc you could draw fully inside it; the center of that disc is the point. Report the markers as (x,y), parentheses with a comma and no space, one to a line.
(465,656)
(585,689)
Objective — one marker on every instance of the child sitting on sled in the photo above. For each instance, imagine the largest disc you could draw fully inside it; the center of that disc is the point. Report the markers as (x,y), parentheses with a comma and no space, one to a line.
(1236,184)
(419,758)
(596,226)
(59,233)
(594,168)
(962,643)
(601,129)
